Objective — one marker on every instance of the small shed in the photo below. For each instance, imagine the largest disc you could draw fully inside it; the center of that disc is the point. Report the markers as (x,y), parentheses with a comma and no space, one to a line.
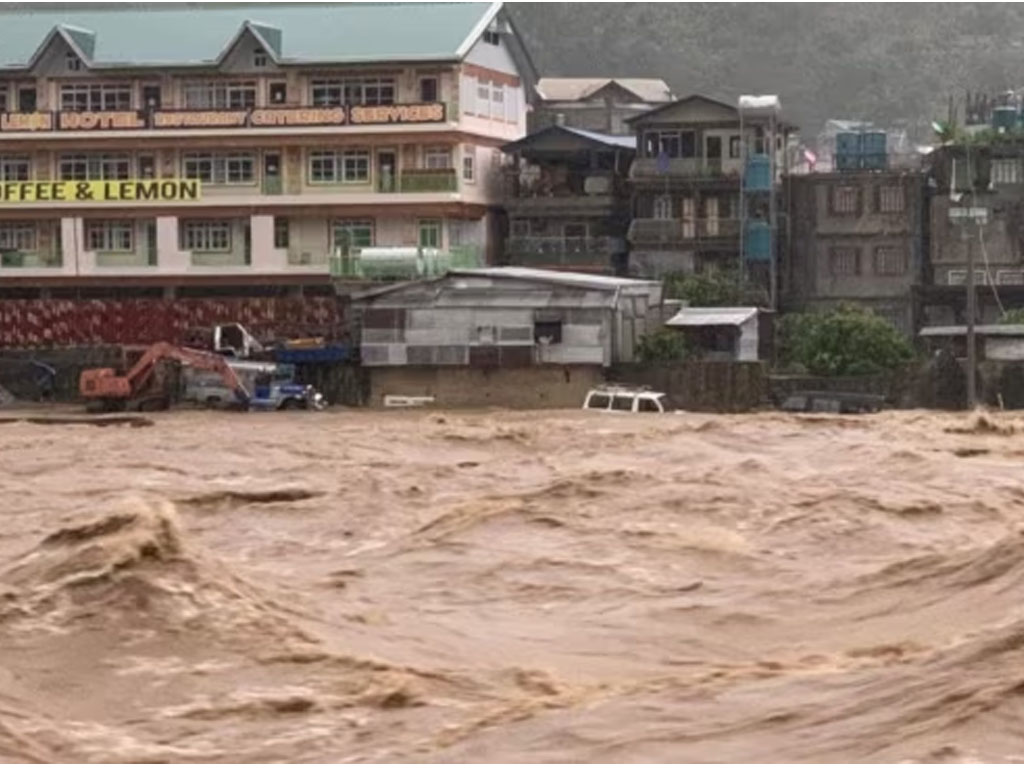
(994,342)
(729,334)
(507,317)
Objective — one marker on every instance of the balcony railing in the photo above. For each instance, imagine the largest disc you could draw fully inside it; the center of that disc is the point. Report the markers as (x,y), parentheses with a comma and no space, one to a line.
(31,259)
(684,167)
(427,180)
(403,262)
(683,230)
(560,251)
(572,185)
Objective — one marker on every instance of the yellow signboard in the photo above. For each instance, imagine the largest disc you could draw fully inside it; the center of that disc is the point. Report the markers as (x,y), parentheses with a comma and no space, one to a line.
(129,190)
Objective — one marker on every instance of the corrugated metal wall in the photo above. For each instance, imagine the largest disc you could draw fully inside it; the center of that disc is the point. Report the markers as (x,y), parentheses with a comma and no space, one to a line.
(62,323)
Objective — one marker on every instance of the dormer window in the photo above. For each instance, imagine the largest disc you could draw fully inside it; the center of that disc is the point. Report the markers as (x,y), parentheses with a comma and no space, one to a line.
(259,59)
(491,37)
(73,63)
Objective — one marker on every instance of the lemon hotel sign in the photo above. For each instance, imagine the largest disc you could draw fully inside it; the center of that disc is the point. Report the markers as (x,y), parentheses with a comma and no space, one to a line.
(129,190)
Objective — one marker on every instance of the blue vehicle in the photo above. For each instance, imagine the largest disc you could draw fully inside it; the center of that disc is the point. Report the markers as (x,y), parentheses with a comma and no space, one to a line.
(271,386)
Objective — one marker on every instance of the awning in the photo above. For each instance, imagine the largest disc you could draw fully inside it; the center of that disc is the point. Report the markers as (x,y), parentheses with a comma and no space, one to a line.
(695,317)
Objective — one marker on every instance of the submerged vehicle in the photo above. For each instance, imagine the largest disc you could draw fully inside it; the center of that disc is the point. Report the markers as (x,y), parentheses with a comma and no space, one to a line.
(624,399)
(833,402)
(271,386)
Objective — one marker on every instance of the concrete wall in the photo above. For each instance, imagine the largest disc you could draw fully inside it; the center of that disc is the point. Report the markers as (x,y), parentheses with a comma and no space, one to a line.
(537,387)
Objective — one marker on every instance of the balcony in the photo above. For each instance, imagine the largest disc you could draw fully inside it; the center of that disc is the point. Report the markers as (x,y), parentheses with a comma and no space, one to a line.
(576,193)
(403,262)
(425,180)
(576,252)
(692,168)
(31,259)
(684,231)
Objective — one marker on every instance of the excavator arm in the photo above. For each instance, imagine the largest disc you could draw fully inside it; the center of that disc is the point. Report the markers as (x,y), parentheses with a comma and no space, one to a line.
(103,383)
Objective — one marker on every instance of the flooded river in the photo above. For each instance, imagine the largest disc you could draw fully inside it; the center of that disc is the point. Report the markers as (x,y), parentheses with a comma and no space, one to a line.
(557,586)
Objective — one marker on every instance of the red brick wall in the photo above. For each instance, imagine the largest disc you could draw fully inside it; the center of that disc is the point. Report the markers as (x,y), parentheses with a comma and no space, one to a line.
(61,323)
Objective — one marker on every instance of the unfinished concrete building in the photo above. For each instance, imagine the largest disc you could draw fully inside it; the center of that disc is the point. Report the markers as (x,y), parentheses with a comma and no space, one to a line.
(855,236)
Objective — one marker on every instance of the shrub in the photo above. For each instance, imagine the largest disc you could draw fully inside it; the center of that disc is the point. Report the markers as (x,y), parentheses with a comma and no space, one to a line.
(662,346)
(846,341)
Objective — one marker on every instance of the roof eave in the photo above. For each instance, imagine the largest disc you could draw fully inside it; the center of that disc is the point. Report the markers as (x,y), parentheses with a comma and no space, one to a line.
(478,29)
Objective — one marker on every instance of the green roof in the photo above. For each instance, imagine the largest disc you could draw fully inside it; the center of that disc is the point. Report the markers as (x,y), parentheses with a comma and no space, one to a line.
(189,34)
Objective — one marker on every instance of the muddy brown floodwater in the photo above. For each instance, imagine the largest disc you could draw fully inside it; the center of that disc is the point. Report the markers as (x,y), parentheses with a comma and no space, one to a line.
(548,586)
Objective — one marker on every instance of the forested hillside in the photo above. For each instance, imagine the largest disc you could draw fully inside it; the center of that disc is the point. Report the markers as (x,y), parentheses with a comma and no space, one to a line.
(886,62)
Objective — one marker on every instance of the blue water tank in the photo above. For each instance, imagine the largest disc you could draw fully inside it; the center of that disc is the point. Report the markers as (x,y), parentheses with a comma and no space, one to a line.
(759,173)
(1004,117)
(757,241)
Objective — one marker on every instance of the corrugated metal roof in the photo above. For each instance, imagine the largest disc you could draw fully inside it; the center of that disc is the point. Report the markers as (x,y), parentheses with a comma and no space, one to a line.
(629,142)
(648,89)
(189,34)
(578,279)
(981,330)
(702,316)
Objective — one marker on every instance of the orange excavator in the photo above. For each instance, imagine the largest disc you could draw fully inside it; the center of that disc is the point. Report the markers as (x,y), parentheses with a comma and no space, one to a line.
(104,390)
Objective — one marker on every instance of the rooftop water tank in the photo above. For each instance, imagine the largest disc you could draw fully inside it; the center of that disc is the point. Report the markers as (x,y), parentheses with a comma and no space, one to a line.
(873,150)
(848,151)
(758,175)
(757,242)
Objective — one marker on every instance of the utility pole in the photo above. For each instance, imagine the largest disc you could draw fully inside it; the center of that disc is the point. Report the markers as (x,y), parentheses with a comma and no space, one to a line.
(972,309)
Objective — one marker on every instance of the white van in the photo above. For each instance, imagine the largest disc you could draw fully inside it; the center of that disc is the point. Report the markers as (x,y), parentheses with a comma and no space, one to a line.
(624,400)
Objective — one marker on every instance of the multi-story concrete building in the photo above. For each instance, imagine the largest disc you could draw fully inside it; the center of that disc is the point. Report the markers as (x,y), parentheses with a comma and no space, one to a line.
(989,174)
(567,199)
(601,104)
(855,236)
(186,148)
(703,186)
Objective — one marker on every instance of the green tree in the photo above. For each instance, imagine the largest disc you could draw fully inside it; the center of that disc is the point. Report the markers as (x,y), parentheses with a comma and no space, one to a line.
(846,341)
(720,289)
(1013,317)
(662,346)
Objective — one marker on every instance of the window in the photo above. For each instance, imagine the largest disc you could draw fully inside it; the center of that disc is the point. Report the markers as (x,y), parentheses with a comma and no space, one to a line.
(428,89)
(26,100)
(350,166)
(570,231)
(520,227)
(72,62)
(845,200)
(844,261)
(734,147)
(207,236)
(15,168)
(219,95)
(890,199)
(220,168)
(17,236)
(687,144)
(151,96)
(512,104)
(622,403)
(94,167)
(598,402)
(1006,171)
(353,233)
(110,236)
(368,90)
(647,405)
(96,98)
(259,59)
(492,38)
(147,167)
(3,98)
(890,261)
(278,93)
(483,98)
(280,232)
(497,102)
(430,233)
(663,207)
(467,95)
(437,157)
(547,332)
(469,164)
